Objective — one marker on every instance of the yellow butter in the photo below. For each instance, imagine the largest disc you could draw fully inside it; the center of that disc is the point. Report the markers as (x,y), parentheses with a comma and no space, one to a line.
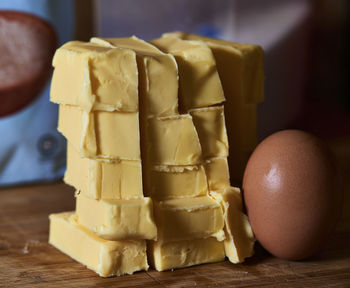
(240,66)
(211,128)
(83,76)
(165,256)
(100,134)
(117,219)
(173,140)
(103,180)
(218,174)
(158,75)
(168,182)
(106,258)
(241,71)
(200,84)
(239,242)
(188,218)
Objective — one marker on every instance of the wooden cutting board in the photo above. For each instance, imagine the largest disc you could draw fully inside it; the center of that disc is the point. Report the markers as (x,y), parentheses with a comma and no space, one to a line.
(27,260)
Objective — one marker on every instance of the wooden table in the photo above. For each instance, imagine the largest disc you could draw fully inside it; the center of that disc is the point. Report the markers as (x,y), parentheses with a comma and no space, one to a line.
(27,260)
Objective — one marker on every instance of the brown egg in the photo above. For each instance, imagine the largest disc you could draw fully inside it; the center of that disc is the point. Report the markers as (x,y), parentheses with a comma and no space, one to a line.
(292,194)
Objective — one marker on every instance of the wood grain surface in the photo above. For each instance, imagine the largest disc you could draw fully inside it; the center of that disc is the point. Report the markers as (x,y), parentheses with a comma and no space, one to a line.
(27,260)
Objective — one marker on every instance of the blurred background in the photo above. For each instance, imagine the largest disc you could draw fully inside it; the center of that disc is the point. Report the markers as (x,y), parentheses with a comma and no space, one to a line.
(307,59)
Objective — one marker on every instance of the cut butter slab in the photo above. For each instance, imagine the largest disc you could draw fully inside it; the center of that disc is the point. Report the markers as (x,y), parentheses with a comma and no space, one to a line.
(117,219)
(165,256)
(200,84)
(158,75)
(101,134)
(173,140)
(239,242)
(84,77)
(170,182)
(218,174)
(102,179)
(211,128)
(188,218)
(106,258)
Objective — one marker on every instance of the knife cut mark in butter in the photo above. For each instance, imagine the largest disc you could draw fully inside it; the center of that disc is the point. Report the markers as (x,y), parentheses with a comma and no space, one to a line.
(106,258)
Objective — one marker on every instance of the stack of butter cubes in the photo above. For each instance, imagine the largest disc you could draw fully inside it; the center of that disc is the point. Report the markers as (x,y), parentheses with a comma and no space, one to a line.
(148,150)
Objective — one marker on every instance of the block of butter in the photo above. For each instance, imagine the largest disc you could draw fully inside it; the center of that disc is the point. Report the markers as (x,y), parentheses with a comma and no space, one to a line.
(122,99)
(211,128)
(200,84)
(218,174)
(158,75)
(101,179)
(101,134)
(165,256)
(173,140)
(170,182)
(188,218)
(84,77)
(241,71)
(106,258)
(117,219)
(239,242)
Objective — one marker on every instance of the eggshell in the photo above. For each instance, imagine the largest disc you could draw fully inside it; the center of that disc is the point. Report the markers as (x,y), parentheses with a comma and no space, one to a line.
(292,193)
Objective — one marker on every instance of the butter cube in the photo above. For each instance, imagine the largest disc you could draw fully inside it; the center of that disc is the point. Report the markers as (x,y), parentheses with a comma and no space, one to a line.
(173,140)
(117,219)
(103,180)
(168,182)
(239,242)
(188,218)
(211,128)
(106,258)
(158,75)
(100,134)
(165,256)
(218,174)
(200,84)
(241,71)
(95,77)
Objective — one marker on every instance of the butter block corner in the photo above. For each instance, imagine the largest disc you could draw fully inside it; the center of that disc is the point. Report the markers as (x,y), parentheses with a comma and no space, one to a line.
(106,258)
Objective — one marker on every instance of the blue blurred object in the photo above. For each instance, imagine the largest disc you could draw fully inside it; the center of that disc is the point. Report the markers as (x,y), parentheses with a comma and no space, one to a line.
(208,30)
(31,149)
